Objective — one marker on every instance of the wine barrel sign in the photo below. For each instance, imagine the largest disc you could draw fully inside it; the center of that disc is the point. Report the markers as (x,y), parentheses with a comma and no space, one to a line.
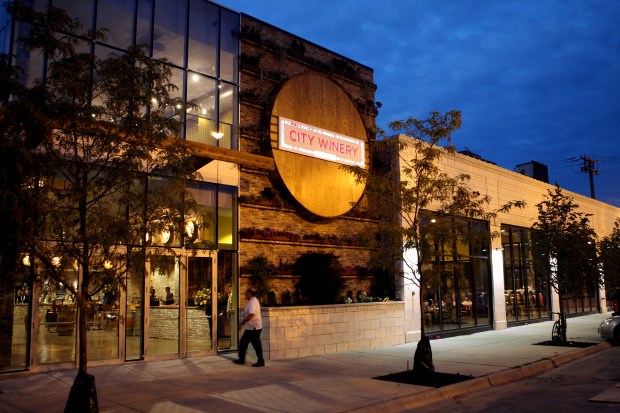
(315,130)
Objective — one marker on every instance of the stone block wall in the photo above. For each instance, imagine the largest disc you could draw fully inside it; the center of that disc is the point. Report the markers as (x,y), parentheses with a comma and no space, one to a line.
(291,332)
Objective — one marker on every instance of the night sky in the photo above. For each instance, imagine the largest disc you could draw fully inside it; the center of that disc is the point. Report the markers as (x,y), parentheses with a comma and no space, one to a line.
(535,80)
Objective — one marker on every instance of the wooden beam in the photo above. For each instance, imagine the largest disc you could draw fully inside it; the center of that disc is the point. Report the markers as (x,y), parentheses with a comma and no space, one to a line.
(232,156)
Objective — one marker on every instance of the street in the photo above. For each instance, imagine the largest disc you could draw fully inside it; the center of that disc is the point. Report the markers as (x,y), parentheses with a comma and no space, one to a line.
(565,389)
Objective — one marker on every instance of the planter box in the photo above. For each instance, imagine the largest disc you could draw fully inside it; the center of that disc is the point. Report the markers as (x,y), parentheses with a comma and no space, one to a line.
(291,332)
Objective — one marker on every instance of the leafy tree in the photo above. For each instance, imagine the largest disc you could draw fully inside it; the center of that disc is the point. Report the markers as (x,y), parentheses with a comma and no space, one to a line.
(320,277)
(260,270)
(105,174)
(610,258)
(563,237)
(412,185)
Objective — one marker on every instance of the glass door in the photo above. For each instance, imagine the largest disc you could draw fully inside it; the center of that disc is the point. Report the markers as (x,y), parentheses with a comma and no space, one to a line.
(200,316)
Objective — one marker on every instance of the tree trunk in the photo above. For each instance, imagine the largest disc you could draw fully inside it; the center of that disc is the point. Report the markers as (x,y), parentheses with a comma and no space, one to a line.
(83,394)
(562,317)
(423,357)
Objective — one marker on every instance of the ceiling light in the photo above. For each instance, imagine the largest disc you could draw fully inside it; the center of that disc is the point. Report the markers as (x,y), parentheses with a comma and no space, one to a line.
(26,260)
(195,77)
(217,135)
(56,261)
(107,264)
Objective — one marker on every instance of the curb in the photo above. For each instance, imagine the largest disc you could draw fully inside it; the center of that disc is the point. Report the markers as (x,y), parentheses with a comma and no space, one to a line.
(470,386)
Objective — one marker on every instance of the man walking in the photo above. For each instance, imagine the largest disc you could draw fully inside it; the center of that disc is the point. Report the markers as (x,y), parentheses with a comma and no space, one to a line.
(253,326)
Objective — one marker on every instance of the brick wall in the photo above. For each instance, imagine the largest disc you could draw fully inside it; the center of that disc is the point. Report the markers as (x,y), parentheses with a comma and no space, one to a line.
(274,57)
(290,332)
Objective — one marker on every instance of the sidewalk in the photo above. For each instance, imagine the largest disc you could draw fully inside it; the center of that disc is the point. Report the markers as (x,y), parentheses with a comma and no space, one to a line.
(330,383)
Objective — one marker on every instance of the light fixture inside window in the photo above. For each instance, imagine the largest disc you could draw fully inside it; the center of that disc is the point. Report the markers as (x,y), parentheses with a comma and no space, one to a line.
(217,135)
(195,77)
(26,260)
(178,106)
(433,220)
(191,230)
(166,236)
(107,264)
(56,261)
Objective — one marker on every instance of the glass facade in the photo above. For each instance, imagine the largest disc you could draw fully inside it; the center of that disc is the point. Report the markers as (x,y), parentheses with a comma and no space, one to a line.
(196,38)
(458,290)
(154,314)
(526,293)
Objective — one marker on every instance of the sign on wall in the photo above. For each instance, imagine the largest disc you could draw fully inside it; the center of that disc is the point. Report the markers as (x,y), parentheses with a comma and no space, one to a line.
(319,143)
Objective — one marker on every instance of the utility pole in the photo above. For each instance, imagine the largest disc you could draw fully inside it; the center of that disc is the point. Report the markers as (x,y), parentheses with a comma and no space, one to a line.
(589,167)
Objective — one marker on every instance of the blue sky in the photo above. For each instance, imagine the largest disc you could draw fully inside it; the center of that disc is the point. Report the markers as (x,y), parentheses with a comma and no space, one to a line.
(534,79)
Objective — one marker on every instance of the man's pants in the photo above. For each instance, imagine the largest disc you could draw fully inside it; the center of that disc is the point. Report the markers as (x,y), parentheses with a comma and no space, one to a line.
(251,336)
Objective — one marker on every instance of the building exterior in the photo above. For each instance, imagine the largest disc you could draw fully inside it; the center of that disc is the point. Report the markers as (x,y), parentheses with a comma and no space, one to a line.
(274,119)
(498,285)
(243,78)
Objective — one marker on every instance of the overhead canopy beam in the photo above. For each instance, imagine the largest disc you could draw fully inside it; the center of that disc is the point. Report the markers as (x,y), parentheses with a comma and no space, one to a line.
(231,155)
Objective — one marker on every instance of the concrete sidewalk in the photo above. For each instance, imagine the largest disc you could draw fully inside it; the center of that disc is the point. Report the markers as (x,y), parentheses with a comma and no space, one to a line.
(330,383)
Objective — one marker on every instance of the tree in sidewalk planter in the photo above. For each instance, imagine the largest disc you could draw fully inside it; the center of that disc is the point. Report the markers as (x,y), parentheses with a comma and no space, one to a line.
(106,176)
(320,279)
(404,190)
(563,237)
(610,258)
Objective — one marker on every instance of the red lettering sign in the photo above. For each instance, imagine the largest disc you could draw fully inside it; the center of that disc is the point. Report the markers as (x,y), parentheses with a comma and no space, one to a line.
(309,140)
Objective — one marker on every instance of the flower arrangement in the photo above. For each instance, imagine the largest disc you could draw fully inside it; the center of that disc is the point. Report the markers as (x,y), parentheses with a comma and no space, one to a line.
(22,293)
(202,297)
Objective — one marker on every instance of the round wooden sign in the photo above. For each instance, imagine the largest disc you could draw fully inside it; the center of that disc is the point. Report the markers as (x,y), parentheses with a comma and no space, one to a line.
(315,130)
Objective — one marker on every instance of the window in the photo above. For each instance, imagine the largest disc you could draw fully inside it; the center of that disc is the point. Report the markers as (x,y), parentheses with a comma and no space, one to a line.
(525,292)
(169,31)
(117,17)
(457,289)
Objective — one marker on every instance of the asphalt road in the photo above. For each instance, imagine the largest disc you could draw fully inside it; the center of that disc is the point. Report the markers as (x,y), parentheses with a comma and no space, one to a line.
(566,389)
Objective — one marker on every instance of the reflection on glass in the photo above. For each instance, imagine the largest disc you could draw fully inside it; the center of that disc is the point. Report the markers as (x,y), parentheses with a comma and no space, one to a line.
(229,44)
(228,103)
(134,306)
(143,22)
(164,318)
(227,301)
(16,294)
(199,311)
(82,10)
(117,17)
(449,314)
(227,218)
(103,322)
(466,302)
(203,33)
(526,292)
(169,31)
(204,216)
(29,62)
(57,322)
(483,291)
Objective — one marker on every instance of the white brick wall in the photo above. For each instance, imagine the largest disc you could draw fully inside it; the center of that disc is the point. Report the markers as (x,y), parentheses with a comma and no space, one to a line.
(291,332)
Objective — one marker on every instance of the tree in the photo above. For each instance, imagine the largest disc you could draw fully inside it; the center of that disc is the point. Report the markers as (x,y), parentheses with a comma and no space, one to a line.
(260,270)
(418,193)
(320,279)
(563,237)
(610,258)
(108,169)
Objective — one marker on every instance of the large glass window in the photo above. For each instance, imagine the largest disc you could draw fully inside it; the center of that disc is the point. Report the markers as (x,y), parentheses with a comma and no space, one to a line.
(204,24)
(15,301)
(457,287)
(169,31)
(117,16)
(57,320)
(525,292)
(164,305)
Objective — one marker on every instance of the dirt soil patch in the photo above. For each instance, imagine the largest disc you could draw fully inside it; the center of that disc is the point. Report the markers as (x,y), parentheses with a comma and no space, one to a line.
(430,380)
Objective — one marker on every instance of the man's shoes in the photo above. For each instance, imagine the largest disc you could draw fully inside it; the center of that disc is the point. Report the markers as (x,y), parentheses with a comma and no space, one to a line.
(239,361)
(259,364)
